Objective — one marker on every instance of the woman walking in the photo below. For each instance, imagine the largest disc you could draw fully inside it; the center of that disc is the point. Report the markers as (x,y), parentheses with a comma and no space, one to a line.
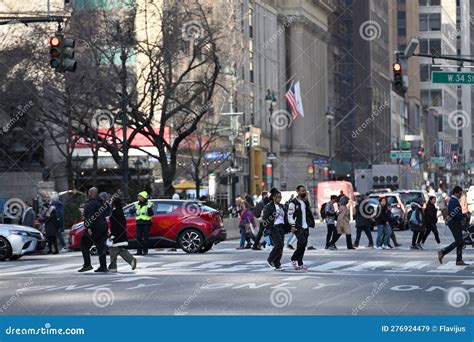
(246,219)
(51,227)
(430,219)
(343,225)
(415,221)
(118,237)
(383,225)
(274,222)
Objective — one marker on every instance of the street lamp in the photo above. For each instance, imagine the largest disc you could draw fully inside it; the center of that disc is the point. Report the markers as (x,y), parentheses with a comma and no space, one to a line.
(330,117)
(271,103)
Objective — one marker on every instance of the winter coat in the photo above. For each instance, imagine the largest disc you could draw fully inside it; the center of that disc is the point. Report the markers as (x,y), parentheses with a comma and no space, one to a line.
(343,225)
(28,218)
(118,230)
(431,215)
(361,219)
(384,217)
(95,218)
(416,210)
(51,222)
(247,217)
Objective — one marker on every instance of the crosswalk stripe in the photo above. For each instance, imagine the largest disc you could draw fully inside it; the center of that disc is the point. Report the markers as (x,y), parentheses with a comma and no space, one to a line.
(54,269)
(216,264)
(372,265)
(411,265)
(22,269)
(182,263)
(449,267)
(331,265)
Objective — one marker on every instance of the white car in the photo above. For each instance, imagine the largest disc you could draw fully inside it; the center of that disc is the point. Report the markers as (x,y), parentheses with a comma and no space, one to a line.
(15,241)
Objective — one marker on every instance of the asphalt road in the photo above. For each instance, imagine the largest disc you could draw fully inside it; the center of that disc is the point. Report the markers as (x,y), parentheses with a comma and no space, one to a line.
(226,281)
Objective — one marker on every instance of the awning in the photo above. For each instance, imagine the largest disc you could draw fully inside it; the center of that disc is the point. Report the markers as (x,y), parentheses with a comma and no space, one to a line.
(185,185)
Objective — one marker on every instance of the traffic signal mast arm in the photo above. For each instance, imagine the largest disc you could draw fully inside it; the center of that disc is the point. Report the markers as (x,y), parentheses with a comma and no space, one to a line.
(27,20)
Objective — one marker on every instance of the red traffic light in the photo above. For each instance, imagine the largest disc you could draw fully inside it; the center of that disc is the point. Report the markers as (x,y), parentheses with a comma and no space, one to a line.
(54,41)
(397,67)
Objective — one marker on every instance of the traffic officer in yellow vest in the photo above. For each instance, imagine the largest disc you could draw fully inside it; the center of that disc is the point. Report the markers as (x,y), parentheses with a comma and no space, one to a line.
(143,211)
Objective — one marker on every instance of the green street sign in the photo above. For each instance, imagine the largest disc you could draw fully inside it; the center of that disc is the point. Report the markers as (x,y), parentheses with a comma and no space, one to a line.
(400,154)
(452,77)
(438,160)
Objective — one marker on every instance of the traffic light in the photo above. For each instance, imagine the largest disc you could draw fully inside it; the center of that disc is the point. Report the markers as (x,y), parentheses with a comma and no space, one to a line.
(55,52)
(62,53)
(421,151)
(398,79)
(455,157)
(247,142)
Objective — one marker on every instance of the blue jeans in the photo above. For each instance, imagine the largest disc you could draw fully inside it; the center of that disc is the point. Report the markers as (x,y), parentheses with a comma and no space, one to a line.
(385,230)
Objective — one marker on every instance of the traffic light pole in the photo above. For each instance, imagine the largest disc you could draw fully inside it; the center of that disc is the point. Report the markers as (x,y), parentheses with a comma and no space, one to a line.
(28,20)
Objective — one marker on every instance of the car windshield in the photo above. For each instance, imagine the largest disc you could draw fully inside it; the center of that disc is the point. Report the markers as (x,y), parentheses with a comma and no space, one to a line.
(201,207)
(391,200)
(408,197)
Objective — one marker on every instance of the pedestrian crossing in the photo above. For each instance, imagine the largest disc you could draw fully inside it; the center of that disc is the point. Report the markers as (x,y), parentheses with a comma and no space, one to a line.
(150,268)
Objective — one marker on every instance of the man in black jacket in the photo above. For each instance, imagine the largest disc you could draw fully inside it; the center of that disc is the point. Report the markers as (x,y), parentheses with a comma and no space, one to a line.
(95,232)
(258,212)
(300,219)
(363,223)
(454,220)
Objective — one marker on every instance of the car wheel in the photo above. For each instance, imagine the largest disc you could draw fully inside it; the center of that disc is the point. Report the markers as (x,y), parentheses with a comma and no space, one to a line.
(5,249)
(15,257)
(191,240)
(205,248)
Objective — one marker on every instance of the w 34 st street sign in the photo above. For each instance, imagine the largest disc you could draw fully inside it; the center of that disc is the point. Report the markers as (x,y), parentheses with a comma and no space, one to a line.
(449,77)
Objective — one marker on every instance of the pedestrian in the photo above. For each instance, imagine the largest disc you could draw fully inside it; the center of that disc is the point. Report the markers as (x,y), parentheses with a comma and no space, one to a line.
(343,225)
(383,224)
(175,196)
(415,222)
(246,219)
(363,223)
(95,232)
(454,220)
(300,218)
(143,211)
(62,225)
(51,228)
(105,198)
(330,218)
(257,212)
(118,237)
(430,220)
(28,216)
(274,222)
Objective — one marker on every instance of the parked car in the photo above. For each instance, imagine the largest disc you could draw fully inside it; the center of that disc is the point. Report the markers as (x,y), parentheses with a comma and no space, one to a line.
(189,225)
(380,191)
(16,241)
(409,196)
(397,208)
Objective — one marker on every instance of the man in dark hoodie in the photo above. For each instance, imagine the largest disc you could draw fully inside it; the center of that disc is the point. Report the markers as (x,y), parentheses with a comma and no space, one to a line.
(454,220)
(95,232)
(363,223)
(430,220)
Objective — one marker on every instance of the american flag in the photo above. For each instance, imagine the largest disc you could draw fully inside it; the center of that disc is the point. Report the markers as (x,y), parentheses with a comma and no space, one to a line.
(446,148)
(290,97)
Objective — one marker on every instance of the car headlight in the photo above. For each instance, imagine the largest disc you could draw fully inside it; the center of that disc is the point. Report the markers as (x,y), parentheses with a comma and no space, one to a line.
(18,232)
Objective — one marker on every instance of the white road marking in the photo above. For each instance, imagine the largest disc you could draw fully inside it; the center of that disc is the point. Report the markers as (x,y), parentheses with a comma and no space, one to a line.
(369,265)
(411,265)
(331,265)
(449,267)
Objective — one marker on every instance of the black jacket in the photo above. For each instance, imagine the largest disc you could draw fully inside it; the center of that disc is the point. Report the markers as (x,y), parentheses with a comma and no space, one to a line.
(95,217)
(269,215)
(431,214)
(298,214)
(118,225)
(51,224)
(362,220)
(384,216)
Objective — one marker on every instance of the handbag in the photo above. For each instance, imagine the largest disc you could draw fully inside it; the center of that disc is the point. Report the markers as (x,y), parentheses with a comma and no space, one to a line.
(110,241)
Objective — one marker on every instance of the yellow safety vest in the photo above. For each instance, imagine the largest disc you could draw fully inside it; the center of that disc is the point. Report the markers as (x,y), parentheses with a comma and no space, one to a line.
(142,211)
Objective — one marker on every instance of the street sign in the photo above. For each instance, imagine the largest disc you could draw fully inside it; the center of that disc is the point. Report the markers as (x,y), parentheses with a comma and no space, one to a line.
(271,156)
(216,155)
(438,160)
(400,154)
(452,77)
(320,161)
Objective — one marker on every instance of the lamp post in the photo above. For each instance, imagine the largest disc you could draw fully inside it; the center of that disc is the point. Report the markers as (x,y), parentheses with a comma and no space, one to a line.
(330,117)
(271,103)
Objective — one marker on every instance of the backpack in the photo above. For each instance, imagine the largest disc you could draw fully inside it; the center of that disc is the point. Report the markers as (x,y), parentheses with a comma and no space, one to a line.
(322,212)
(414,218)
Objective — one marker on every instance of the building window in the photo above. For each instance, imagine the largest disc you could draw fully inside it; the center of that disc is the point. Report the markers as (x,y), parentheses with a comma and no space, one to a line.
(423,45)
(425,73)
(430,22)
(440,124)
(432,98)
(250,22)
(103,4)
(401,23)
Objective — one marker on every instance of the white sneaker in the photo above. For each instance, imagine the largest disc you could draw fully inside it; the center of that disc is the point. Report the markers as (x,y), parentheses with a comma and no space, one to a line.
(295,264)
(378,247)
(384,247)
(281,269)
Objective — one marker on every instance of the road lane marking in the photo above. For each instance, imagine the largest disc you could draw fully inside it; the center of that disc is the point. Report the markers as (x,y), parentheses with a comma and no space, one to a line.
(449,267)
(331,265)
(369,265)
(411,265)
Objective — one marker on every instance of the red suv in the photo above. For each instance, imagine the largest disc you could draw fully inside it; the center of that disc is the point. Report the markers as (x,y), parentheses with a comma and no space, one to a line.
(189,225)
